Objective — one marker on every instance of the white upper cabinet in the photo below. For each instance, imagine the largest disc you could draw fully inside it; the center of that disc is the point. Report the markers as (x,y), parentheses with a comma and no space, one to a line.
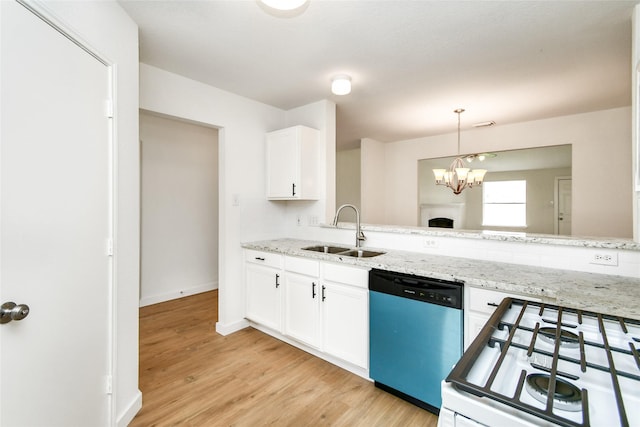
(292,164)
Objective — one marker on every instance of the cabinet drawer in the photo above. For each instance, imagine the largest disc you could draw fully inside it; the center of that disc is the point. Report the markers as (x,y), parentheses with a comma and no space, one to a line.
(486,301)
(263,258)
(348,275)
(306,266)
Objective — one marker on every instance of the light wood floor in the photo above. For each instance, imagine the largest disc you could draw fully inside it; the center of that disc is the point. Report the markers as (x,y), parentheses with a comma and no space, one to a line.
(191,376)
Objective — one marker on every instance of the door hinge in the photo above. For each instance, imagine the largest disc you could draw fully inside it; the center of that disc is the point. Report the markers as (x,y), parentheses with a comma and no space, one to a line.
(108,108)
(108,384)
(109,247)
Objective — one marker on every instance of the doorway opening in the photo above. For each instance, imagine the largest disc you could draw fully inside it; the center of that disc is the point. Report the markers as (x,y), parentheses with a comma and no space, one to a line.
(179,208)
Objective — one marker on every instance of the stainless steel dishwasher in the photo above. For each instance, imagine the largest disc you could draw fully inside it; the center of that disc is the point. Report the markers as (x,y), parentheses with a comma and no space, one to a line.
(416,334)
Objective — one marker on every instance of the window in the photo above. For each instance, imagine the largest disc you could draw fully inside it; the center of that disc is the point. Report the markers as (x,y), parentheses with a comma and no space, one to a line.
(504,203)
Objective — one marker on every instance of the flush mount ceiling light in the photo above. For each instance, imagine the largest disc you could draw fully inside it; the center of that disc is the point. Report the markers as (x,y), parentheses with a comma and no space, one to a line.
(284,4)
(341,84)
(458,177)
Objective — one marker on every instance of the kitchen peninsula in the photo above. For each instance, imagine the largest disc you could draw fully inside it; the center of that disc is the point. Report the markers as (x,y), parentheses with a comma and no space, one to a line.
(601,293)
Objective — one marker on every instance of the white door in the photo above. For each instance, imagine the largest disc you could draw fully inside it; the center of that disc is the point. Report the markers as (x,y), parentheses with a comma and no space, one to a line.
(55,224)
(563,205)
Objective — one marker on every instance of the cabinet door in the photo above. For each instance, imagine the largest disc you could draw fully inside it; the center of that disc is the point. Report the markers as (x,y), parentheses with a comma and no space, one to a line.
(263,295)
(345,320)
(302,313)
(283,164)
(475,323)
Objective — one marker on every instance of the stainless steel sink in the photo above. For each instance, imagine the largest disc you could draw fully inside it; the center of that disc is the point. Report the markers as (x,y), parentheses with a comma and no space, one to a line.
(337,250)
(360,253)
(326,249)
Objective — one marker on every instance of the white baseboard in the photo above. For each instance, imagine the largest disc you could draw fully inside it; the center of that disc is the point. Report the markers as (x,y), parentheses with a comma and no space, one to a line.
(128,415)
(179,293)
(229,328)
(354,369)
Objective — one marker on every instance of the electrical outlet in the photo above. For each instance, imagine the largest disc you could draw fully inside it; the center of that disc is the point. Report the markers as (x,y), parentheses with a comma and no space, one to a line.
(604,258)
(429,243)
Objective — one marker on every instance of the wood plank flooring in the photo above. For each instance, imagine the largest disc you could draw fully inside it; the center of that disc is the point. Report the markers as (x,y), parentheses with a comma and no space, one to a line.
(191,376)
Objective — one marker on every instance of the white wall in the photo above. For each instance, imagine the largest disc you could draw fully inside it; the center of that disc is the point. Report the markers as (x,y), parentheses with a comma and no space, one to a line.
(109,30)
(242,125)
(373,191)
(601,158)
(348,181)
(179,182)
(635,113)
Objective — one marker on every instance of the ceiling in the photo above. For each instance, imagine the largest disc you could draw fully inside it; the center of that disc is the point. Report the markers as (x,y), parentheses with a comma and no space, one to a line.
(412,62)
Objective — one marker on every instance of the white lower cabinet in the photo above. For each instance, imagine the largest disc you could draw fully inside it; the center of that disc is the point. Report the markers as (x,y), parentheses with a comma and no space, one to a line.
(301,306)
(324,306)
(263,277)
(479,306)
(345,323)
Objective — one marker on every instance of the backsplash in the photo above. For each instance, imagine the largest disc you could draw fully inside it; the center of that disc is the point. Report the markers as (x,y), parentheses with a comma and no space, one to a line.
(587,255)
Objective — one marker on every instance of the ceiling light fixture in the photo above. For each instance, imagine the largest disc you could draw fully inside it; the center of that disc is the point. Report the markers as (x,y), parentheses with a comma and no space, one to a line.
(284,4)
(458,177)
(483,124)
(341,84)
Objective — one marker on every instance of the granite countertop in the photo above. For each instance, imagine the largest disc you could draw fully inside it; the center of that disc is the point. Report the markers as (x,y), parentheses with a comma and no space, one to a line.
(616,295)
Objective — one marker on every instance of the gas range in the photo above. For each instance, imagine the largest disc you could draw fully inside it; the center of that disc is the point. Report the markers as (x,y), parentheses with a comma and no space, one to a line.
(528,351)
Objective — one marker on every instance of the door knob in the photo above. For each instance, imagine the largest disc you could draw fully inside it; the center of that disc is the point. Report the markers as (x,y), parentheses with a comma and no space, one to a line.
(11,311)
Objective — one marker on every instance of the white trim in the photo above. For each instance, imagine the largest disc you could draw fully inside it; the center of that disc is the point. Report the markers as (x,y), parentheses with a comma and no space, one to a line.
(41,10)
(155,299)
(229,328)
(556,201)
(129,414)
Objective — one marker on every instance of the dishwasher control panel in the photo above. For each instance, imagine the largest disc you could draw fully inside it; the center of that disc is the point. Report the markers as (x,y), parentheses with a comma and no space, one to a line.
(435,291)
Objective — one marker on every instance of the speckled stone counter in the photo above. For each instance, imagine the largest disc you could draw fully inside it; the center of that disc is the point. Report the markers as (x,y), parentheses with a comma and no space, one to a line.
(601,293)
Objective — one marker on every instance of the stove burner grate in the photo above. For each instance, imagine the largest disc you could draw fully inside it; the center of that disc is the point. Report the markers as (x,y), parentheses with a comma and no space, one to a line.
(567,396)
(567,338)
(574,402)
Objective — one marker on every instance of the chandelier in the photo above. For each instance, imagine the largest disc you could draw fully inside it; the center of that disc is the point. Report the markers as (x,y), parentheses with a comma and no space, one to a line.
(458,177)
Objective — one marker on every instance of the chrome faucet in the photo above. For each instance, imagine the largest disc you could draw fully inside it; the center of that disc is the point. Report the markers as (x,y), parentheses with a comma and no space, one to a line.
(359,234)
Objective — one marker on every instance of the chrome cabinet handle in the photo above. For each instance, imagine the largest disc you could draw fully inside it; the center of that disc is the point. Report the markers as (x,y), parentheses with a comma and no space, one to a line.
(11,311)
(323,295)
(277,283)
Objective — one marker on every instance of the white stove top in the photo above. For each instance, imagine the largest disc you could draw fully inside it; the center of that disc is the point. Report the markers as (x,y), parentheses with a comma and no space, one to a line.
(603,368)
